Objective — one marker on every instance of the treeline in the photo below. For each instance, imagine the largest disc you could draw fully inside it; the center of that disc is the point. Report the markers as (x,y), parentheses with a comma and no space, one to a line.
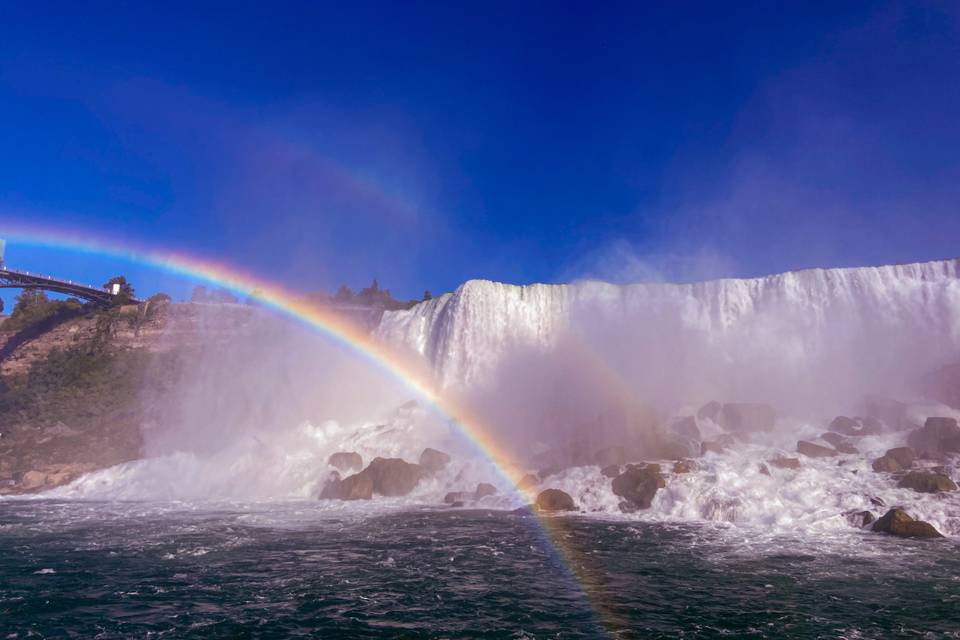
(373,296)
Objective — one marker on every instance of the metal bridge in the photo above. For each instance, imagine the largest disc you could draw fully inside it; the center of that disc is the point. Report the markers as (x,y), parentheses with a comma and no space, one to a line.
(10,279)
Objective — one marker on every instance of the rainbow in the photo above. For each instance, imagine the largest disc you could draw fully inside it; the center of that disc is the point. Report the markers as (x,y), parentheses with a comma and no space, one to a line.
(408,371)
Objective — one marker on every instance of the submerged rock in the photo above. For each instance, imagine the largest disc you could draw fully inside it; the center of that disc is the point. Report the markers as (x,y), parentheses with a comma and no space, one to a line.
(346,461)
(433,461)
(638,485)
(898,522)
(812,450)
(555,500)
(927,482)
(747,416)
(937,437)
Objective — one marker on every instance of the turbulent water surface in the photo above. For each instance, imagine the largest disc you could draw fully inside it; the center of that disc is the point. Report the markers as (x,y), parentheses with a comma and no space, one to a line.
(108,569)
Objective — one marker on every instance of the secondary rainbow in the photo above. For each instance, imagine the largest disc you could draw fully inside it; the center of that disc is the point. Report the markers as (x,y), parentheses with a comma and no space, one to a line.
(291,304)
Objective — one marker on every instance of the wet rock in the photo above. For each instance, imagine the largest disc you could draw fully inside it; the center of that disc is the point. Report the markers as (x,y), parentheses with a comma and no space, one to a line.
(839,442)
(638,485)
(877,502)
(384,476)
(555,500)
(898,522)
(528,481)
(937,437)
(812,450)
(433,461)
(886,464)
(686,427)
(843,424)
(457,498)
(346,461)
(718,445)
(860,519)
(905,456)
(785,463)
(684,466)
(678,447)
(609,455)
(892,413)
(764,470)
(359,486)
(610,471)
(927,482)
(747,416)
(484,489)
(709,411)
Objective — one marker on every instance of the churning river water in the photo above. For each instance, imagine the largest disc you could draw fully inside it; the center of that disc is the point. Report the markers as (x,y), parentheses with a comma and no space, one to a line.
(89,569)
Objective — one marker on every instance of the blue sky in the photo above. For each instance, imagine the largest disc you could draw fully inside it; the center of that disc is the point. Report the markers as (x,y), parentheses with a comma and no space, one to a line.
(428,143)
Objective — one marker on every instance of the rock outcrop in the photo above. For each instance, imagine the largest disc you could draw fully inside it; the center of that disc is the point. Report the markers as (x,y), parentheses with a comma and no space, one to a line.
(812,450)
(856,427)
(898,522)
(927,482)
(433,461)
(936,438)
(346,461)
(785,463)
(638,485)
(483,490)
(383,476)
(555,500)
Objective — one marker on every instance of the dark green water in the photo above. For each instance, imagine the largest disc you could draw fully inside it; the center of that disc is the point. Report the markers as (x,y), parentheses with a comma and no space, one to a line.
(110,570)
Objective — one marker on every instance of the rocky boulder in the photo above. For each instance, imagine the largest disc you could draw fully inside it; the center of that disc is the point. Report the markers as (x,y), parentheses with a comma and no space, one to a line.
(709,411)
(937,437)
(856,427)
(747,416)
(686,427)
(555,500)
(898,522)
(483,490)
(359,486)
(718,445)
(905,456)
(610,471)
(860,519)
(433,461)
(638,485)
(457,498)
(892,413)
(684,466)
(528,482)
(927,482)
(346,461)
(812,450)
(839,442)
(785,463)
(886,464)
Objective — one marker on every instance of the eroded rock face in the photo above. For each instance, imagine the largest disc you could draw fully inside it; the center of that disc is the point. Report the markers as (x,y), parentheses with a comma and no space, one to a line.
(927,482)
(898,522)
(638,485)
(747,416)
(346,461)
(555,500)
(936,438)
(812,450)
(433,461)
